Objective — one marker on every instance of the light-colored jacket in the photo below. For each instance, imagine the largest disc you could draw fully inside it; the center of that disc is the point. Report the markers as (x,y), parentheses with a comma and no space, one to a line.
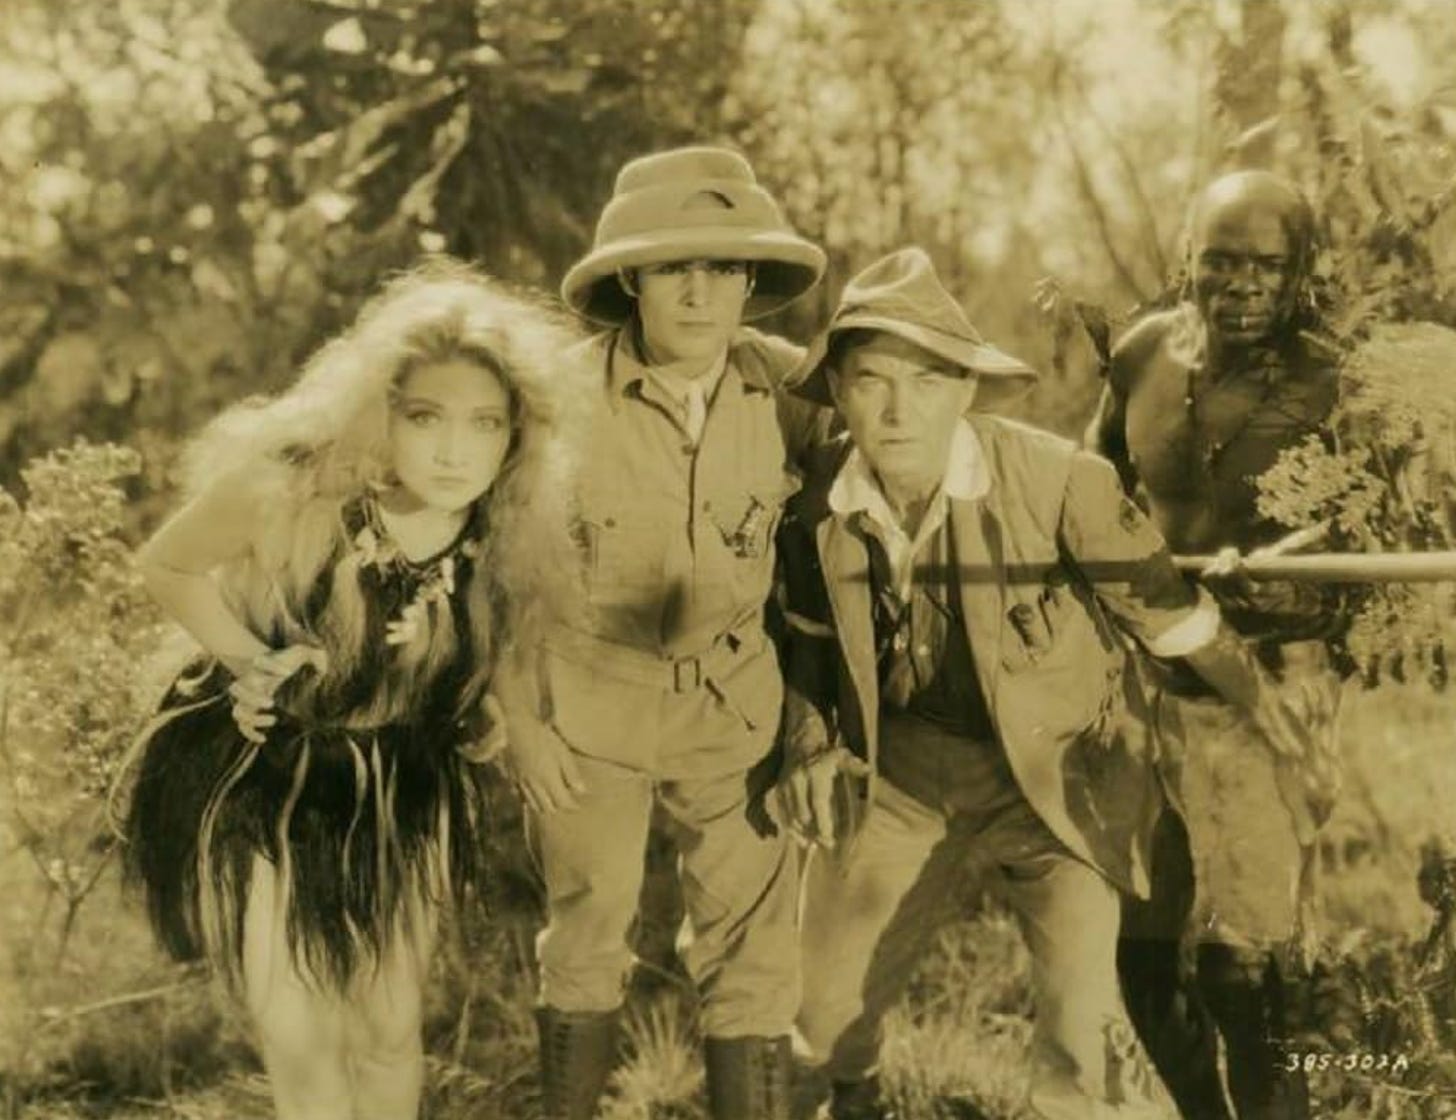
(678,549)
(1051,540)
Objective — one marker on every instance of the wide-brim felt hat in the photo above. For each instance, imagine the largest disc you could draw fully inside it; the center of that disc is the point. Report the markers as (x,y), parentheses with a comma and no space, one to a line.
(901,295)
(698,203)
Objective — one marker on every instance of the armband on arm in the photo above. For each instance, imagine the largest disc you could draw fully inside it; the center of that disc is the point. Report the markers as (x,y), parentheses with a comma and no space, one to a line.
(1227,663)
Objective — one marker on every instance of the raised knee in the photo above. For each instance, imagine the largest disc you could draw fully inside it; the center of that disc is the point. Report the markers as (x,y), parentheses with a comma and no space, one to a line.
(863,901)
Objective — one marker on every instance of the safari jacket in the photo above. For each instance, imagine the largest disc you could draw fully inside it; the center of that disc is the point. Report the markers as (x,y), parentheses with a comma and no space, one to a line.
(678,546)
(1058,571)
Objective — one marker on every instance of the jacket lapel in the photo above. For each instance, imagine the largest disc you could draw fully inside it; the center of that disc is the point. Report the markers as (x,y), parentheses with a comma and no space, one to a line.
(981,558)
(845,561)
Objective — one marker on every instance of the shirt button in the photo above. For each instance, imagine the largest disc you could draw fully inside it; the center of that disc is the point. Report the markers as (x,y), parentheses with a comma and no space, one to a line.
(610,523)
(707,506)
(923,651)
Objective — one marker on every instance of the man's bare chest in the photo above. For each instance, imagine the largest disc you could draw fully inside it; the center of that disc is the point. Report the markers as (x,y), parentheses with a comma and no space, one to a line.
(1191,436)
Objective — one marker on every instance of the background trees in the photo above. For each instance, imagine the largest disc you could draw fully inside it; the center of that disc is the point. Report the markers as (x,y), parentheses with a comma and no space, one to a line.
(193,193)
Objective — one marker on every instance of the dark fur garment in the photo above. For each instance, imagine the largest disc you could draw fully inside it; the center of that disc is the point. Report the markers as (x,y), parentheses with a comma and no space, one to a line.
(352,819)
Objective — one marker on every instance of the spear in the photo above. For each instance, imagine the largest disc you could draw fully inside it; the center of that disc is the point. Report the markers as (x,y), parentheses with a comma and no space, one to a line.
(1276,562)
(1338,567)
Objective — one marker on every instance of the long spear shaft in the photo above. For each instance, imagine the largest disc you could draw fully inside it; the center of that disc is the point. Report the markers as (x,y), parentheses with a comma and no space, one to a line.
(1340,567)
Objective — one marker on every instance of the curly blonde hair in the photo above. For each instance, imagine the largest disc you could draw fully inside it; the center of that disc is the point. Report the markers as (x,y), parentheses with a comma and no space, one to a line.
(310,451)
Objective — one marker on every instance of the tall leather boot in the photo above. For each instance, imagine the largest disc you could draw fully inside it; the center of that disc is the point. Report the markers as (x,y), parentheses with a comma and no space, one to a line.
(1167,1011)
(1163,999)
(748,1078)
(578,1051)
(1243,988)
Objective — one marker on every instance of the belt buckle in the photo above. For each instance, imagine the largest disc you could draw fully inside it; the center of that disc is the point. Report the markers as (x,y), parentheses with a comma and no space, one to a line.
(687,674)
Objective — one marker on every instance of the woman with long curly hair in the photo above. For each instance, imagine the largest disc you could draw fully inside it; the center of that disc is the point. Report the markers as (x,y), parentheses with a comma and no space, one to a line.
(352,556)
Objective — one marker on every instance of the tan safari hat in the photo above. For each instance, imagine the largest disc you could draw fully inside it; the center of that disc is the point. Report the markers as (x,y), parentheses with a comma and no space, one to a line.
(901,295)
(690,204)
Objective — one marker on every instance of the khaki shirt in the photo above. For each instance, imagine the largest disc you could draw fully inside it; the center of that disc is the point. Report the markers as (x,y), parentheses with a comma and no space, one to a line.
(679,536)
(670,670)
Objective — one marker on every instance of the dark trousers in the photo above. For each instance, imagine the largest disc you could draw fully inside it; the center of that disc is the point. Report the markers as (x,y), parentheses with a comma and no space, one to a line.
(1232,991)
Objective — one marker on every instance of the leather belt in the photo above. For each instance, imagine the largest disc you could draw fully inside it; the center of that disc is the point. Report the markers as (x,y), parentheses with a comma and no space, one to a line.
(639,666)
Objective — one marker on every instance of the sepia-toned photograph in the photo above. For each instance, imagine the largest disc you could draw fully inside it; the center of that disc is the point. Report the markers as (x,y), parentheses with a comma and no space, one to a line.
(727,559)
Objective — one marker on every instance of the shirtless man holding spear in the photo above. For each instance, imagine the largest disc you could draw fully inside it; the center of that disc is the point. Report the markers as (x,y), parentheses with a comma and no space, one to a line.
(1200,401)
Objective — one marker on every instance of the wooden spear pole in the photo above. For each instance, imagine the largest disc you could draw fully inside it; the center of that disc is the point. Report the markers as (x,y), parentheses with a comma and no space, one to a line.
(1339,567)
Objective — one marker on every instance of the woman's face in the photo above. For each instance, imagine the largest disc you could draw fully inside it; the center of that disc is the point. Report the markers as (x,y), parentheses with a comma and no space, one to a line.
(449,430)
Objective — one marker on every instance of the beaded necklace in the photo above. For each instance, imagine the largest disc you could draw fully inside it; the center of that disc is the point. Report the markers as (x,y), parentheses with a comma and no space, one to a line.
(433,576)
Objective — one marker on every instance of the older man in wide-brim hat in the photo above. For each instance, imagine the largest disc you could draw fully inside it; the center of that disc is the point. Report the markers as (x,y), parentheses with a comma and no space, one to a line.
(958,585)
(668,690)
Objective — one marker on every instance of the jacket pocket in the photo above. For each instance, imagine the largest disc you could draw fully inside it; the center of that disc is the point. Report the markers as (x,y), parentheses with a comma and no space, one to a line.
(746,521)
(1037,627)
(622,548)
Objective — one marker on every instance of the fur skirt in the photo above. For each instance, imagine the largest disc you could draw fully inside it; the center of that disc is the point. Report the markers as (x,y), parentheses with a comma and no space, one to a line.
(360,826)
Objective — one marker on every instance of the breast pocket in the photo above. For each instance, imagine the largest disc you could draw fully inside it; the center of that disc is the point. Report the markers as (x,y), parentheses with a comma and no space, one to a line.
(622,545)
(744,524)
(1042,625)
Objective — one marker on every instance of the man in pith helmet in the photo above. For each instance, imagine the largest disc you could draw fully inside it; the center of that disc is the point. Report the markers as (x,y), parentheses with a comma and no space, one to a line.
(1201,400)
(959,587)
(668,692)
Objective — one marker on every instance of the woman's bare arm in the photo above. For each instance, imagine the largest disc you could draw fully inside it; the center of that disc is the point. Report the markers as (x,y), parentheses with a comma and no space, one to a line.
(177,565)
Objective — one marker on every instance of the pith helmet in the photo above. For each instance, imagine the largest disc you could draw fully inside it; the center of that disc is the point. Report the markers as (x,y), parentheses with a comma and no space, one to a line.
(690,204)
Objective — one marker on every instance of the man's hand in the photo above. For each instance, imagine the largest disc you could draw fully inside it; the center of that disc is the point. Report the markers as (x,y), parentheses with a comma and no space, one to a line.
(1228,578)
(543,766)
(1229,581)
(808,791)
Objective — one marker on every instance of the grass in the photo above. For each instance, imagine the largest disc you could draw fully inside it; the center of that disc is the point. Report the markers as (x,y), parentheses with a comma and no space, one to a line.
(70,1048)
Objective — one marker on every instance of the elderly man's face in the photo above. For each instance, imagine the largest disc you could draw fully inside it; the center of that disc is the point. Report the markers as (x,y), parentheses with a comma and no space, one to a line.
(690,309)
(901,405)
(1244,270)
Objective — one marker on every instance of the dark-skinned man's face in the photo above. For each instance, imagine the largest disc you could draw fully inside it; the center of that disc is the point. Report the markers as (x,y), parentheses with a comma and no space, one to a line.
(1245,275)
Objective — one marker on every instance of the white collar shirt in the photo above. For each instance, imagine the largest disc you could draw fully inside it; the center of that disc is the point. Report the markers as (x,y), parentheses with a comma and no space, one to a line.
(690,395)
(857,493)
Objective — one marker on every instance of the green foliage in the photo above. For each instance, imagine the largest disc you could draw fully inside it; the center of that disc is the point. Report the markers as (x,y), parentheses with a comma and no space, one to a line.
(1312,483)
(153,266)
(194,192)
(81,623)
(72,696)
(1385,484)
(489,129)
(870,148)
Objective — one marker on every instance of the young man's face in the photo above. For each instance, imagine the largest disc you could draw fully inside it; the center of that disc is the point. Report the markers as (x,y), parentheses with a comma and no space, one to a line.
(901,405)
(690,309)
